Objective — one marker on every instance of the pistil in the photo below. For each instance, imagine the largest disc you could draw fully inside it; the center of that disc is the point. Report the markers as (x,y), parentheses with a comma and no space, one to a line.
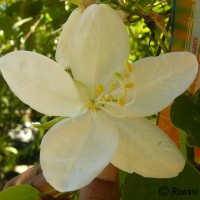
(116,95)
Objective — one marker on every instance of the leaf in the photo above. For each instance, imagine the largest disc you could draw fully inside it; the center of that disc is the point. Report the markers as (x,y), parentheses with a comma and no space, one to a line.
(11,150)
(159,21)
(20,192)
(185,114)
(137,187)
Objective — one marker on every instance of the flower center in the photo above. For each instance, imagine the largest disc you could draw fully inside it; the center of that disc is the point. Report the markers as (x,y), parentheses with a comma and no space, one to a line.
(117,93)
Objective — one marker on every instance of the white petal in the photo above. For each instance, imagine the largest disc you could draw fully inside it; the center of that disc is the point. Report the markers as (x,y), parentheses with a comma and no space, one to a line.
(99,46)
(158,81)
(63,47)
(76,150)
(41,83)
(145,149)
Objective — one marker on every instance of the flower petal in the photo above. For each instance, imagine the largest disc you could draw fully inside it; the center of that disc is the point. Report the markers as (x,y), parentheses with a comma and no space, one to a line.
(76,150)
(158,81)
(41,83)
(99,46)
(63,46)
(145,149)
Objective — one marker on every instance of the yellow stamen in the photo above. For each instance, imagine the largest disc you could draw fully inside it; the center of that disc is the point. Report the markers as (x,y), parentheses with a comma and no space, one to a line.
(116,94)
(129,85)
(122,85)
(117,74)
(110,97)
(112,86)
(91,106)
(126,75)
(128,67)
(121,101)
(99,89)
(102,98)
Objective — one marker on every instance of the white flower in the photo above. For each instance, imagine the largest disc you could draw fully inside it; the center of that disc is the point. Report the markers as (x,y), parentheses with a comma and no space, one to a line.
(105,101)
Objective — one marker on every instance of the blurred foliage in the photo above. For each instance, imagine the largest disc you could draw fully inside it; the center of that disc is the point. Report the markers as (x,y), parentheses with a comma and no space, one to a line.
(35,25)
(185,114)
(29,25)
(146,22)
(156,189)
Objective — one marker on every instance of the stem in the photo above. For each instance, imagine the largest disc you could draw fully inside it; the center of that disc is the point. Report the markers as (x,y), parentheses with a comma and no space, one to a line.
(59,194)
(161,43)
(48,124)
(46,195)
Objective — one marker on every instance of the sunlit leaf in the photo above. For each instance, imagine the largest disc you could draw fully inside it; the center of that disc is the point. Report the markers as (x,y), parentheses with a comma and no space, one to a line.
(21,22)
(11,150)
(20,192)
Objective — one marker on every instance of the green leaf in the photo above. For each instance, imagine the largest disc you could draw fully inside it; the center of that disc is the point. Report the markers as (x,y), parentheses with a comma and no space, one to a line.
(20,192)
(185,114)
(185,186)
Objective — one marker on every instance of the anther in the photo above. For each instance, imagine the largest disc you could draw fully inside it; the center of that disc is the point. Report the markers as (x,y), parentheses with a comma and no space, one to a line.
(112,86)
(121,101)
(126,75)
(129,85)
(91,106)
(128,67)
(102,98)
(117,75)
(110,97)
(99,89)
